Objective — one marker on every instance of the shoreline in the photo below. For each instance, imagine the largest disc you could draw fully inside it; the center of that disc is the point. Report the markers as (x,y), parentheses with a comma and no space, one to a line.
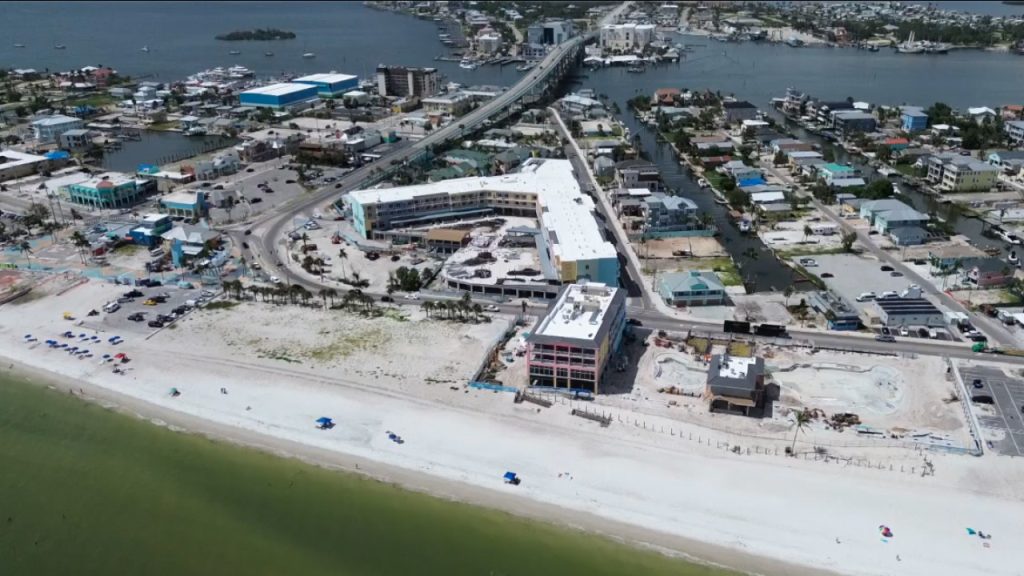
(671,545)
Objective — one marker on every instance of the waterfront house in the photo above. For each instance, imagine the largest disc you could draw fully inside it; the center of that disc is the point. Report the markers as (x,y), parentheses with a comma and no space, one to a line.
(735,384)
(691,288)
(604,166)
(577,105)
(845,183)
(74,140)
(981,114)
(908,235)
(838,312)
(831,172)
(1010,161)
(667,96)
(740,171)
(955,173)
(787,145)
(671,216)
(48,128)
(988,272)
(890,213)
(896,144)
(850,122)
(913,119)
(637,174)
(1015,131)
(739,111)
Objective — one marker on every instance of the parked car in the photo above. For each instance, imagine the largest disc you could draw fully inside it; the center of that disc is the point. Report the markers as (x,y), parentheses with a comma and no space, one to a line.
(904,331)
(248,232)
(491,308)
(275,280)
(896,274)
(412,296)
(887,268)
(133,294)
(256,200)
(885,338)
(977,383)
(634,322)
(808,262)
(149,302)
(386,298)
(827,275)
(136,317)
(250,170)
(245,245)
(125,300)
(865,296)
(888,294)
(155,324)
(289,181)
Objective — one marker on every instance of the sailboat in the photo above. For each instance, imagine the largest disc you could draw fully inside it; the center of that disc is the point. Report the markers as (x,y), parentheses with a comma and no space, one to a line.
(145,48)
(910,46)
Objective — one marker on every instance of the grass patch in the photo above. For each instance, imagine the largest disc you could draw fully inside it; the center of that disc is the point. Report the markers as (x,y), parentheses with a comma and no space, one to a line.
(277,354)
(908,170)
(698,344)
(94,100)
(810,251)
(723,266)
(127,249)
(345,345)
(716,179)
(741,349)
(162,126)
(221,305)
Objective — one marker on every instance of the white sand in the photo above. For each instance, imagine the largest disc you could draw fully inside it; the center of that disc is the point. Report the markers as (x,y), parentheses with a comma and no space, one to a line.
(652,487)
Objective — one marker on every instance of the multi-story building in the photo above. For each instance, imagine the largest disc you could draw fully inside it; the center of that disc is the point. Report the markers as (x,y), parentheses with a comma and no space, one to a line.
(691,288)
(889,214)
(489,42)
(578,339)
(913,119)
(1015,131)
(74,139)
(637,174)
(849,122)
(544,189)
(739,111)
(626,37)
(330,85)
(671,216)
(402,81)
(954,173)
(735,385)
(49,128)
(455,104)
(551,32)
(106,190)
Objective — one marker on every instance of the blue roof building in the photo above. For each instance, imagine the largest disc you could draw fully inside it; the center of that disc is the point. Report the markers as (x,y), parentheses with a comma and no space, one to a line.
(330,85)
(283,95)
(913,119)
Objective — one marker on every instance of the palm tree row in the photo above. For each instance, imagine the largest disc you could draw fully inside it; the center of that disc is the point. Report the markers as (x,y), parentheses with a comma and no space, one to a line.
(451,310)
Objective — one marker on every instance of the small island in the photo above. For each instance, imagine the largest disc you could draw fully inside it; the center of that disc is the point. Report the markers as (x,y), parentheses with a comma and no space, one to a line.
(257,34)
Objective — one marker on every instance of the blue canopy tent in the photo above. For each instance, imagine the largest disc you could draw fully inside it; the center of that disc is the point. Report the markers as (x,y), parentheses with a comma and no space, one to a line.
(324,423)
(511,478)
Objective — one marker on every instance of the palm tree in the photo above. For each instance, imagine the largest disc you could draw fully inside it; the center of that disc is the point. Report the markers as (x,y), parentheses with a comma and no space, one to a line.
(787,293)
(242,264)
(323,294)
(807,231)
(331,293)
(344,256)
(478,311)
(427,307)
(26,250)
(81,243)
(305,238)
(803,418)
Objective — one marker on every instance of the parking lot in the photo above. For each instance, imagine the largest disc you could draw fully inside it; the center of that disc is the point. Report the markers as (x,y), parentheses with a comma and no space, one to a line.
(254,200)
(176,297)
(1005,413)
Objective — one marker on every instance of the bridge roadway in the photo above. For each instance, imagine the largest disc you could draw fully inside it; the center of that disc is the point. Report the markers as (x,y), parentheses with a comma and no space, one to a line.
(271,230)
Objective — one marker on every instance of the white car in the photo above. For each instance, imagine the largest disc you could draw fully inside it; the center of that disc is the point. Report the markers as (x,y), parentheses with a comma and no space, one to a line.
(865,296)
(275,280)
(491,308)
(412,296)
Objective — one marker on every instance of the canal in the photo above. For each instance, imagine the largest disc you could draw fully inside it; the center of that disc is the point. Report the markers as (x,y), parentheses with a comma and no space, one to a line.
(161,148)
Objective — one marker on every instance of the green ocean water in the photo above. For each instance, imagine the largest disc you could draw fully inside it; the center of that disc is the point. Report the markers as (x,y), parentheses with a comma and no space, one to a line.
(84,490)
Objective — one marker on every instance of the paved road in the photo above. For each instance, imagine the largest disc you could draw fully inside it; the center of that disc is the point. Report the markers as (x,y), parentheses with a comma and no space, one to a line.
(1008,394)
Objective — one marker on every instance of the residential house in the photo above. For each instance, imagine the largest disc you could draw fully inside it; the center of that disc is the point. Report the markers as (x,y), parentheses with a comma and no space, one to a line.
(15,164)
(1011,161)
(672,216)
(691,288)
(667,96)
(186,203)
(831,172)
(735,384)
(913,119)
(884,215)
(981,114)
(604,166)
(149,231)
(739,111)
(505,162)
(48,128)
(787,145)
(988,272)
(908,235)
(955,173)
(74,140)
(574,104)
(1015,131)
(189,241)
(849,122)
(637,174)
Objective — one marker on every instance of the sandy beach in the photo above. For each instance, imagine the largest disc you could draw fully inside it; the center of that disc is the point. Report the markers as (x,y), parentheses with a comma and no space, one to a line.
(757,513)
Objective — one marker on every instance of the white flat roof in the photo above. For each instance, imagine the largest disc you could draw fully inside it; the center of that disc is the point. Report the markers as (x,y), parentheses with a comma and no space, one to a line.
(735,366)
(55,184)
(579,312)
(280,89)
(55,120)
(115,178)
(12,158)
(568,212)
(331,78)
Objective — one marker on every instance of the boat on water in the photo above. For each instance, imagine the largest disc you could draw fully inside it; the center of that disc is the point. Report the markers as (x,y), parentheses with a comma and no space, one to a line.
(196,131)
(235,52)
(703,183)
(268,53)
(794,42)
(145,48)
(19,45)
(636,68)
(936,48)
(309,55)
(524,67)
(468,65)
(910,46)
(60,47)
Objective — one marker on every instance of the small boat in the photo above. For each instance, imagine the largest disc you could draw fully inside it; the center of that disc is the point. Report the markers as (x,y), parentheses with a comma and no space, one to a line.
(468,65)
(19,45)
(635,68)
(60,47)
(235,52)
(268,53)
(309,55)
(145,48)
(703,183)
(195,131)
(744,225)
